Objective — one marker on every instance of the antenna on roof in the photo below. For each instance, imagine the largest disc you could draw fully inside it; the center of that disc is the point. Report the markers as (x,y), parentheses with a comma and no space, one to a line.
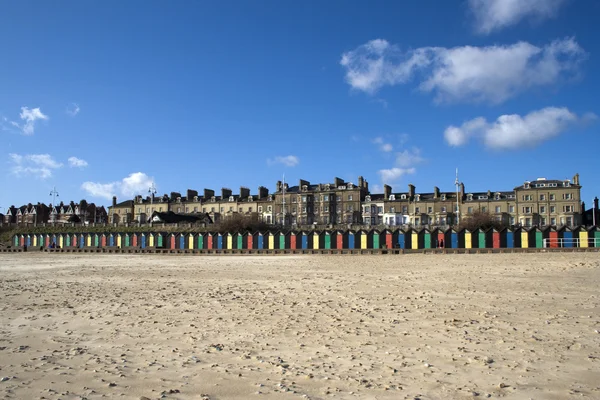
(456,182)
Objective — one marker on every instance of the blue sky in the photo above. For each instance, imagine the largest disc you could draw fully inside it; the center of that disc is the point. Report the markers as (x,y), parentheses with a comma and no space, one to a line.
(103,98)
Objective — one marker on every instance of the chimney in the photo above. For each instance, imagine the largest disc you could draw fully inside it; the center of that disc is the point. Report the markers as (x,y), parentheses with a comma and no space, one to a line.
(175,195)
(191,194)
(208,193)
(278,187)
(286,186)
(411,190)
(302,182)
(436,192)
(462,190)
(361,182)
(244,192)
(114,201)
(263,192)
(337,182)
(595,203)
(576,179)
(225,193)
(387,190)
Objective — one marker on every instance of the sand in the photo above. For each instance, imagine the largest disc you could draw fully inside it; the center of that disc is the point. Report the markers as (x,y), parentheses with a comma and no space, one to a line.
(292,327)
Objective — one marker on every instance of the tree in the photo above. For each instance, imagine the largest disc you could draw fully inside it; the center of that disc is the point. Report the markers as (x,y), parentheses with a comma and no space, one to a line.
(480,220)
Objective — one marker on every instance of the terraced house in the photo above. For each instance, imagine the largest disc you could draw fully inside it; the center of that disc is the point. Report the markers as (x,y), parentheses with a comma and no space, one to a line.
(541,202)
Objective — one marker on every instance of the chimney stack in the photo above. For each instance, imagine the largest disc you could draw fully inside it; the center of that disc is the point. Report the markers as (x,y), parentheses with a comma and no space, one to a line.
(436,192)
(277,187)
(263,192)
(208,193)
(387,191)
(576,179)
(114,203)
(302,182)
(191,194)
(462,190)
(411,191)
(338,182)
(595,203)
(225,193)
(244,192)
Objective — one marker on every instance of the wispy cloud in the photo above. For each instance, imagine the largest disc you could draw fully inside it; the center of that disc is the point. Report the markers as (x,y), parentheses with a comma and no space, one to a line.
(493,15)
(405,160)
(383,145)
(514,131)
(73,109)
(490,74)
(135,183)
(392,175)
(29,118)
(36,165)
(75,162)
(288,161)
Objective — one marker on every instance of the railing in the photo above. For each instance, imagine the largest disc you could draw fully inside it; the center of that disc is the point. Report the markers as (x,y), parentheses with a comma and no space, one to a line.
(571,242)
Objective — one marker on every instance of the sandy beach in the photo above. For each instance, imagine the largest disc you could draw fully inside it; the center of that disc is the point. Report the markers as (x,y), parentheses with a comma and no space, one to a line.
(518,326)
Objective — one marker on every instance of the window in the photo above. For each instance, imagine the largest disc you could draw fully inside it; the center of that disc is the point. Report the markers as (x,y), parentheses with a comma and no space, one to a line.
(567,196)
(392,209)
(470,210)
(552,209)
(231,198)
(498,209)
(178,209)
(526,197)
(293,209)
(187,209)
(568,208)
(269,208)
(379,210)
(195,209)
(350,208)
(482,197)
(527,210)
(259,208)
(139,210)
(542,197)
(483,209)
(212,209)
(367,198)
(293,199)
(443,197)
(417,210)
(543,221)
(304,209)
(469,197)
(552,197)
(429,210)
(392,197)
(240,209)
(159,209)
(231,209)
(304,199)
(338,198)
(404,209)
(326,198)
(222,209)
(552,221)
(326,209)
(512,220)
(542,209)
(511,209)
(203,209)
(569,221)
(349,197)
(527,221)
(443,209)
(403,197)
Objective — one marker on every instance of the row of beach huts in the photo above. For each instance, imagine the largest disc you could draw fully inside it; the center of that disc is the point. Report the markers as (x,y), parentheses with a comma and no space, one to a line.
(411,239)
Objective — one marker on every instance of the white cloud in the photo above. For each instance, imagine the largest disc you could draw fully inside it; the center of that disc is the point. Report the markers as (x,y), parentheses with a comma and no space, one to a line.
(514,131)
(491,15)
(383,146)
(407,158)
(77,162)
(394,174)
(73,109)
(489,74)
(37,165)
(30,116)
(135,183)
(288,161)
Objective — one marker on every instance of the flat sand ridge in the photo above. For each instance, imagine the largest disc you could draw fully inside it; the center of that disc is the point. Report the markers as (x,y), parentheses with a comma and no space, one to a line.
(96,326)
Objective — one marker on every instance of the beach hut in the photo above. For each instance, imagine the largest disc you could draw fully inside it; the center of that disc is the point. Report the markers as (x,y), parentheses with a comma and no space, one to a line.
(551,237)
(374,239)
(303,240)
(414,238)
(566,235)
(480,238)
(248,240)
(337,239)
(453,238)
(493,238)
(293,238)
(350,239)
(536,238)
(362,239)
(111,240)
(270,239)
(582,235)
(172,241)
(387,239)
(258,240)
(142,240)
(467,238)
(211,242)
(401,239)
(425,241)
(440,238)
(509,235)
(594,236)
(325,240)
(238,240)
(280,241)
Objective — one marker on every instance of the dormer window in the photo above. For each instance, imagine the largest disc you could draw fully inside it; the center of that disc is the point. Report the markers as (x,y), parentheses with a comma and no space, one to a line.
(213,199)
(350,185)
(341,187)
(178,200)
(392,197)
(526,185)
(328,187)
(469,197)
(304,188)
(444,197)
(403,197)
(367,198)
(249,198)
(482,197)
(270,198)
(231,198)
(196,198)
(497,196)
(567,184)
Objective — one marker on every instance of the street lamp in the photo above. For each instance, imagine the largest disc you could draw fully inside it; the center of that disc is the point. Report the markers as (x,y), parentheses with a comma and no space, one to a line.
(152,191)
(54,195)
(456,182)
